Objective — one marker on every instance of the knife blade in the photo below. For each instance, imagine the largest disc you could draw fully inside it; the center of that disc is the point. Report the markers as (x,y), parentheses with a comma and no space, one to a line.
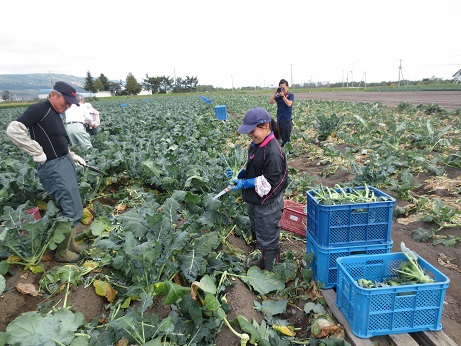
(227,189)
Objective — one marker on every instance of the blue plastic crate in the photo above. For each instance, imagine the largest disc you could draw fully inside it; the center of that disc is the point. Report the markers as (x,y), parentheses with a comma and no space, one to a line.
(348,224)
(221,112)
(206,99)
(324,263)
(388,310)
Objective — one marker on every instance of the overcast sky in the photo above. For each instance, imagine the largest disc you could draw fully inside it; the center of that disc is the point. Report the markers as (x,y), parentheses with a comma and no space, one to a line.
(234,43)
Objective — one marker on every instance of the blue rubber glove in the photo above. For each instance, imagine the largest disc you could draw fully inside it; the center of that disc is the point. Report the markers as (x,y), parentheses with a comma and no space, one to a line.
(243,183)
(228,173)
(241,174)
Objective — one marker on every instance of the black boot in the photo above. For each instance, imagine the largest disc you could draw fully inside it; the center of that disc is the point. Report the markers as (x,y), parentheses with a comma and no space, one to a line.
(270,258)
(256,258)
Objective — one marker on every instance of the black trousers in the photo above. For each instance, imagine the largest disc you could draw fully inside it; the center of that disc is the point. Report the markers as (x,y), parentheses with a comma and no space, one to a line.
(285,127)
(265,221)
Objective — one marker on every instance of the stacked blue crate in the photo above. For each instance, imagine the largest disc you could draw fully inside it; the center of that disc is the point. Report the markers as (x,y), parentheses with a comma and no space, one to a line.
(335,231)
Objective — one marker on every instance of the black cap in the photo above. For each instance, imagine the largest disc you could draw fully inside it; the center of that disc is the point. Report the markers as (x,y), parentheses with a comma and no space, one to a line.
(68,91)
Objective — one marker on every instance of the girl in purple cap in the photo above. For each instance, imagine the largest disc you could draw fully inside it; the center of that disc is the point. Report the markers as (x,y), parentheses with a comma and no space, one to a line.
(263,183)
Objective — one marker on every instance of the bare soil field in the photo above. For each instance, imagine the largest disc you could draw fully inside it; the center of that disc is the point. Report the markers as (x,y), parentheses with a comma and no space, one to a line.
(449,100)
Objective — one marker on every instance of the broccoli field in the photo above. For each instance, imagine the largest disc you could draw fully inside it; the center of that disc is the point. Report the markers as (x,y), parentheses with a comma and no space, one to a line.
(166,262)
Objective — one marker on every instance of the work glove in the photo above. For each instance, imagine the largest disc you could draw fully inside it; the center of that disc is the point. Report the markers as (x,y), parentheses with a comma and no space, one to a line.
(243,183)
(228,173)
(40,158)
(77,159)
(241,174)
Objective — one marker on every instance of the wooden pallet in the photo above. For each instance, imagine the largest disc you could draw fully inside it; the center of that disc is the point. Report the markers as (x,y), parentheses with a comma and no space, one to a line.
(438,338)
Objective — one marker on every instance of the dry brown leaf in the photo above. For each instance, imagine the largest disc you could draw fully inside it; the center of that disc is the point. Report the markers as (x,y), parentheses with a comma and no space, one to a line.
(47,257)
(104,289)
(123,342)
(325,328)
(27,289)
(121,208)
(445,261)
(313,293)
(407,220)
(193,290)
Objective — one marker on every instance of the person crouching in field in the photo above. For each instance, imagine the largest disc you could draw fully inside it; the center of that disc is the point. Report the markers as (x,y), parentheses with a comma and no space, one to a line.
(92,122)
(75,124)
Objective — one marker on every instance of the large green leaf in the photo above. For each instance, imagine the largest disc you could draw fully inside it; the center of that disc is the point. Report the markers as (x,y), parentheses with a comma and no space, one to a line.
(269,307)
(33,329)
(263,281)
(171,291)
(192,264)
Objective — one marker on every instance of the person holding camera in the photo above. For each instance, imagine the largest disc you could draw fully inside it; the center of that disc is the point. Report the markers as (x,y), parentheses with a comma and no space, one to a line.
(284,100)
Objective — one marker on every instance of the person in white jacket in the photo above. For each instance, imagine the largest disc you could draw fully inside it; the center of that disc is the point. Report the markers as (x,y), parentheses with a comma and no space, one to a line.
(93,121)
(40,132)
(76,116)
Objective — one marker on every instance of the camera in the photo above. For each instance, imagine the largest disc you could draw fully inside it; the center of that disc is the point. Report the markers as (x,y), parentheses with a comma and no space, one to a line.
(280,89)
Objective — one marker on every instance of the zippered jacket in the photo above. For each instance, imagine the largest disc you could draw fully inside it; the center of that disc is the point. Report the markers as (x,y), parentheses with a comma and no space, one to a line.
(266,159)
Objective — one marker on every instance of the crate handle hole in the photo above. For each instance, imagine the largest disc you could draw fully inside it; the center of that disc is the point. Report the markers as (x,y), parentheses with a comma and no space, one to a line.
(360,210)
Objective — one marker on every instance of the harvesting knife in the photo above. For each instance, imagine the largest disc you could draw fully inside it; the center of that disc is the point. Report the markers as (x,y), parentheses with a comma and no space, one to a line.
(93,169)
(227,189)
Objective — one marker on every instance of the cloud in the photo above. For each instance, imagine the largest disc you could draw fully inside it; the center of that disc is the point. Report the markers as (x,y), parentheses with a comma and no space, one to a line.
(239,43)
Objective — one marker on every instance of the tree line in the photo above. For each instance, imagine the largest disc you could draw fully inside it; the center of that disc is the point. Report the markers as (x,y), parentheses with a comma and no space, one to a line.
(155,85)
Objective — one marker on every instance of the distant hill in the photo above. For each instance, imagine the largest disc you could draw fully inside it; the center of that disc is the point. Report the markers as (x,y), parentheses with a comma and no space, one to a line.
(28,86)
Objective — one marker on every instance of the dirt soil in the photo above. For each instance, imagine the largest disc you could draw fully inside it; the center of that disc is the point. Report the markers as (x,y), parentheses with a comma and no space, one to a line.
(449,100)
(85,300)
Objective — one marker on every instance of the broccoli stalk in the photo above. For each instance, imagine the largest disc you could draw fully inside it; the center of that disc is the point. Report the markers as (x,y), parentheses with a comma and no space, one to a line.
(411,270)
(244,337)
(236,162)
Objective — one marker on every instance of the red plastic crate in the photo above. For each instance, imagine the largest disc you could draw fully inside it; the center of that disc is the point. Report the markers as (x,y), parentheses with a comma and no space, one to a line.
(294,218)
(35,212)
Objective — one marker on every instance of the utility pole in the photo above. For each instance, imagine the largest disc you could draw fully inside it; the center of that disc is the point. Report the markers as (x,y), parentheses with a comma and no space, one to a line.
(400,72)
(51,79)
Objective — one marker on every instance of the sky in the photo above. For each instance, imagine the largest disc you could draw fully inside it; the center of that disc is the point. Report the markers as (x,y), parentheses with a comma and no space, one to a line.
(234,43)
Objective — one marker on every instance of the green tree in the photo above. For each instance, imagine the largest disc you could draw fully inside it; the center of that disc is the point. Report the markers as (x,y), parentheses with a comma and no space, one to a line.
(151,84)
(185,85)
(132,86)
(166,83)
(104,81)
(7,96)
(191,83)
(89,83)
(98,85)
(115,88)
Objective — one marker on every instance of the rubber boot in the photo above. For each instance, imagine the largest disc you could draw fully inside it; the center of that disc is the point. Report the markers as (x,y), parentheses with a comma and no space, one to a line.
(270,258)
(74,246)
(63,254)
(255,259)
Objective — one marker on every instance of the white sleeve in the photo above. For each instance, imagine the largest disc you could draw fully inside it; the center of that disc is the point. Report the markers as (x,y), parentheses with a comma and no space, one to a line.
(19,135)
(262,186)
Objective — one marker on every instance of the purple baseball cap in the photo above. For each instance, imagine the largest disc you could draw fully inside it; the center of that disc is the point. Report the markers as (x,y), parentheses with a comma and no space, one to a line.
(252,118)
(68,91)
